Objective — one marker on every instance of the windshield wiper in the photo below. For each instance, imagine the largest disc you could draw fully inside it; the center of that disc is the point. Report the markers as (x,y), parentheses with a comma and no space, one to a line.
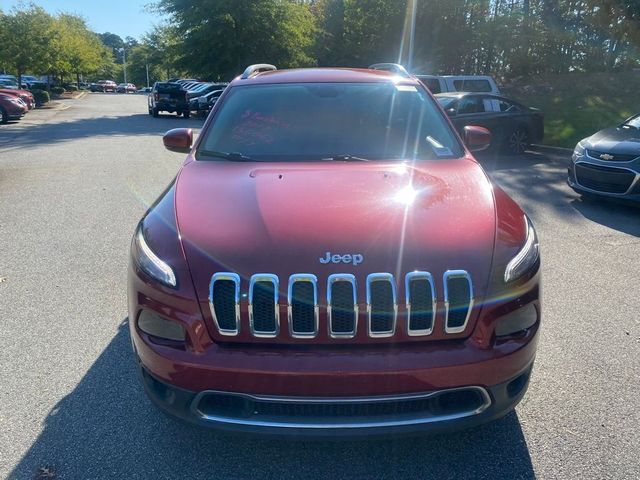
(231,156)
(346,158)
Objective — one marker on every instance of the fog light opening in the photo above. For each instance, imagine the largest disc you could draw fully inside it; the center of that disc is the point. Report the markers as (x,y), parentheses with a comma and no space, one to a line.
(515,386)
(517,321)
(450,403)
(159,327)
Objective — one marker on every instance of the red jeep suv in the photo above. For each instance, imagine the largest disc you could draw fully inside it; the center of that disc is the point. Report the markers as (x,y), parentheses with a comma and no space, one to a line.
(331,259)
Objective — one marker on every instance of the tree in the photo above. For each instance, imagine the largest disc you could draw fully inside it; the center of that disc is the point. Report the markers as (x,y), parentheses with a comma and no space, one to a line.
(77,49)
(27,39)
(219,38)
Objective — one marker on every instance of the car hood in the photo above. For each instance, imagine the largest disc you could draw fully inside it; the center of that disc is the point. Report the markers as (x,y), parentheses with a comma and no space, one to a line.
(615,140)
(283,218)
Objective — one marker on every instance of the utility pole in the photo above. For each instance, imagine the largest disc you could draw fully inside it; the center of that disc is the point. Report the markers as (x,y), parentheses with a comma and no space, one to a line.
(124,62)
(412,34)
(147,65)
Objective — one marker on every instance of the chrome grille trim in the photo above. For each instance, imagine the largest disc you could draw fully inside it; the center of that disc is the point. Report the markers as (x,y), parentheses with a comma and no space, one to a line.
(417,275)
(303,277)
(381,277)
(235,278)
(342,277)
(448,275)
(264,277)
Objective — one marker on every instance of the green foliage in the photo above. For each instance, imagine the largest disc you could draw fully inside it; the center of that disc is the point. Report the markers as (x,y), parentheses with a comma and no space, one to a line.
(40,96)
(217,39)
(71,88)
(26,40)
(57,90)
(577,104)
(34,41)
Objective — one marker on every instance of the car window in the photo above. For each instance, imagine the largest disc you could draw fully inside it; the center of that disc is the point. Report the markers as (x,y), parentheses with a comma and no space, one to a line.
(433,84)
(383,121)
(470,104)
(503,105)
(447,102)
(634,122)
(472,85)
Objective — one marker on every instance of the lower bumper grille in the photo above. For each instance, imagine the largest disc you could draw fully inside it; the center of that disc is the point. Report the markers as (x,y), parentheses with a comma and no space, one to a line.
(604,179)
(347,412)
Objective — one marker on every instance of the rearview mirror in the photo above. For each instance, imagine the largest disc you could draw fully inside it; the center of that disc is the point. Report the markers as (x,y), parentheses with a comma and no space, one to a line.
(477,138)
(178,140)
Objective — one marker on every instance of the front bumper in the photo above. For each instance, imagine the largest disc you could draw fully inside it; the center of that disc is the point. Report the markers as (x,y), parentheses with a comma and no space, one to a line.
(603,188)
(352,417)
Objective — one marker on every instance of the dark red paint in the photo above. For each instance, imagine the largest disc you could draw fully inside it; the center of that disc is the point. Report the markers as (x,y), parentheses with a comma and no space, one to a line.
(280,218)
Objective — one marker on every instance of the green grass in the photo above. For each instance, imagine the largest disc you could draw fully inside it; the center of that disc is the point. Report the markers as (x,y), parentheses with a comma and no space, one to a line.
(579,104)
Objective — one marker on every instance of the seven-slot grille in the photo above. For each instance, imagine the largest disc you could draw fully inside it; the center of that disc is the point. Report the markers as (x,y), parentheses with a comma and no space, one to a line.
(341,304)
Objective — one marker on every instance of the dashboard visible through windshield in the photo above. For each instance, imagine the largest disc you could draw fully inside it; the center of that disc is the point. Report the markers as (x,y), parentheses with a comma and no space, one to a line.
(328,121)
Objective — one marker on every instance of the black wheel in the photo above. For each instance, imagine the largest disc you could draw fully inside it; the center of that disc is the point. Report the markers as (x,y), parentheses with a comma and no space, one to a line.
(155,113)
(150,111)
(186,114)
(518,141)
(4,116)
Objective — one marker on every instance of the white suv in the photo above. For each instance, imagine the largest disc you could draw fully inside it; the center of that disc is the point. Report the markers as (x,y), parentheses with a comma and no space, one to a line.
(459,83)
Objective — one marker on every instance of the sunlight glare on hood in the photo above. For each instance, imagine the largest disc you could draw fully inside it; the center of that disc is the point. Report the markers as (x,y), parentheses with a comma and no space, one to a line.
(406,196)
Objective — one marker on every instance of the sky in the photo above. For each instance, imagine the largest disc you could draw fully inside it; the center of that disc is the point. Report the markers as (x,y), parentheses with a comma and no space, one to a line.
(126,18)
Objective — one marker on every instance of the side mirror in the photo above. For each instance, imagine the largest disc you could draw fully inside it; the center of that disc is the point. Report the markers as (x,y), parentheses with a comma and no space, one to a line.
(451,112)
(477,138)
(178,140)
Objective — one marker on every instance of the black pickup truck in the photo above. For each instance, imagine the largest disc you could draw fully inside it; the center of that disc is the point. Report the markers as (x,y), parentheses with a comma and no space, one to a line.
(168,97)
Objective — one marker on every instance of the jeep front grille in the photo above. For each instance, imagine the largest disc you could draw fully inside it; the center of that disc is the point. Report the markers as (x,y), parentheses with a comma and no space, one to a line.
(342,306)
(421,303)
(381,305)
(264,319)
(224,302)
(303,306)
(458,300)
(420,315)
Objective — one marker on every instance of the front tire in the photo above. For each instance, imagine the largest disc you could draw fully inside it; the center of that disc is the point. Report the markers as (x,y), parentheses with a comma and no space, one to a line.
(518,141)
(4,116)
(155,113)
(186,114)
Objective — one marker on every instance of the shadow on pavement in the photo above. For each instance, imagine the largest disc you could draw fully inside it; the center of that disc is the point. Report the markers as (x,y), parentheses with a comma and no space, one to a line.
(619,216)
(122,125)
(106,428)
(538,182)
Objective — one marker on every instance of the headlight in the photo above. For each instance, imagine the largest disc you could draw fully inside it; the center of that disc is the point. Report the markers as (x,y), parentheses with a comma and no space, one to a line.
(149,262)
(579,151)
(526,257)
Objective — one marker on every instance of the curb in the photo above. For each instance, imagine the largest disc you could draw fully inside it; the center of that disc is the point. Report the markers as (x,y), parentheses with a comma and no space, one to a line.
(550,149)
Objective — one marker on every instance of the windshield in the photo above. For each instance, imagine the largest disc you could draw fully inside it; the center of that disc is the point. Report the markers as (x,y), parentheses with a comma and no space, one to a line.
(633,122)
(371,121)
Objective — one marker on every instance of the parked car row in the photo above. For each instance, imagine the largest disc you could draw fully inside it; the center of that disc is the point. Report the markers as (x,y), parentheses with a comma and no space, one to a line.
(183,96)
(103,86)
(15,103)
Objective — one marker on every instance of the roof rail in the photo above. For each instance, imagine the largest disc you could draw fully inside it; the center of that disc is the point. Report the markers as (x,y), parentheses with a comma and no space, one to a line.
(253,70)
(390,67)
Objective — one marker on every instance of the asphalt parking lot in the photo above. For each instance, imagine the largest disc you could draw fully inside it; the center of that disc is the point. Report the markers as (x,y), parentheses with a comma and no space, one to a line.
(74,183)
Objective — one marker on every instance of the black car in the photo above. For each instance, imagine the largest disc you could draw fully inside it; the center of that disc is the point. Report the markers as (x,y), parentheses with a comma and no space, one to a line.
(608,162)
(513,126)
(168,97)
(205,103)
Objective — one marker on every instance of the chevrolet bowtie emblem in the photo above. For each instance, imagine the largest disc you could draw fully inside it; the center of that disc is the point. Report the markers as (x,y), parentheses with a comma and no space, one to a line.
(606,156)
